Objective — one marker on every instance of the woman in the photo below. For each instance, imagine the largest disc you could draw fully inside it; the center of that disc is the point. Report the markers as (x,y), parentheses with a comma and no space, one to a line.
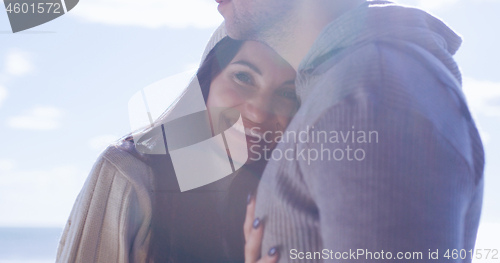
(131,208)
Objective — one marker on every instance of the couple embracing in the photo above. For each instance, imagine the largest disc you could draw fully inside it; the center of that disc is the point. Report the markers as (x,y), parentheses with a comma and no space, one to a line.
(289,66)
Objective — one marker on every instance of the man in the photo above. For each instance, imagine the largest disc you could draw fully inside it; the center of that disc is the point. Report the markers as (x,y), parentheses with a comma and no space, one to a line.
(383,160)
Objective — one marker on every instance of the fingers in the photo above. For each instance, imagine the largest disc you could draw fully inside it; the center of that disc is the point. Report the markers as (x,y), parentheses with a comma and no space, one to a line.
(253,244)
(247,226)
(253,229)
(272,256)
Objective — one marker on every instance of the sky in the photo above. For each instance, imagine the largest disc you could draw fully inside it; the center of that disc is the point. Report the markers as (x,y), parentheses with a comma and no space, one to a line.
(65,85)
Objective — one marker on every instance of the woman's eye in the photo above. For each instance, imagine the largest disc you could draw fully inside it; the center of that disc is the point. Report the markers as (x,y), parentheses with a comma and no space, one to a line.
(243,78)
(289,95)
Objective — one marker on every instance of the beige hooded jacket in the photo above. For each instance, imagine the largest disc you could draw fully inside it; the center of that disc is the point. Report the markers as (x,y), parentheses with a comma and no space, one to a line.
(111,218)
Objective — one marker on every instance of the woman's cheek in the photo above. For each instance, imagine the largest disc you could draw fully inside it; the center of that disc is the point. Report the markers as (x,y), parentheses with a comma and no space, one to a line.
(232,97)
(223,98)
(285,109)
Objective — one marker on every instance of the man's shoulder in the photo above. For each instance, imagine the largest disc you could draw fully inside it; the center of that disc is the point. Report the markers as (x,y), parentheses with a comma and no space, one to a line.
(382,64)
(386,76)
(399,77)
(381,78)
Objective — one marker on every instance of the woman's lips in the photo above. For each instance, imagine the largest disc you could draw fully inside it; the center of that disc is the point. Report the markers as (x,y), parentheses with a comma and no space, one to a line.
(255,132)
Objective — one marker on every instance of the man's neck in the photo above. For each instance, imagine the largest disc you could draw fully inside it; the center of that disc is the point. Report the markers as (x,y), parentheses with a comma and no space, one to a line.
(294,42)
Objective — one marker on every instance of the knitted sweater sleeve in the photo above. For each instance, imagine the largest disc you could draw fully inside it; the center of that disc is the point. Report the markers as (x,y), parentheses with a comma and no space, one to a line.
(401,188)
(390,165)
(110,220)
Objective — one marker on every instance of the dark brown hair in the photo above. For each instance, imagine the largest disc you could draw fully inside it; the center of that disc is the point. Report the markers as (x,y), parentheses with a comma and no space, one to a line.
(162,247)
(217,59)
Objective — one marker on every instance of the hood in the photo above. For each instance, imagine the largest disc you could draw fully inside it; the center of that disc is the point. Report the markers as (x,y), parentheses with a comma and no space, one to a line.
(148,104)
(383,20)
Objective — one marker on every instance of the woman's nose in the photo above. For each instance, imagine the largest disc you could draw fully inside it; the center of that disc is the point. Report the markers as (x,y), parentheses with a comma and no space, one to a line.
(258,109)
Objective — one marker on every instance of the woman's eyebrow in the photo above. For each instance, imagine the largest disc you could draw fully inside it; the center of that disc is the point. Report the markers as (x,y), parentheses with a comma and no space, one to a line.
(248,64)
(289,82)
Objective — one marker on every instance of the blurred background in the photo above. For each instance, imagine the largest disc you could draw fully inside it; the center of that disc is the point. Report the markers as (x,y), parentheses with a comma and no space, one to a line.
(65,85)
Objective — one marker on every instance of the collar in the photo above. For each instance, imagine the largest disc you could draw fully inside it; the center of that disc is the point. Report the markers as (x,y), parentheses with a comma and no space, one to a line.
(337,35)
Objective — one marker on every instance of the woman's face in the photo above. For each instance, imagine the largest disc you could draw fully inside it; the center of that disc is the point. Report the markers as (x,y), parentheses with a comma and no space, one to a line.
(259,85)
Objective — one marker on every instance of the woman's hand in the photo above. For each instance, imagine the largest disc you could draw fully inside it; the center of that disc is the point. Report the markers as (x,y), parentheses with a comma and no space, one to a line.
(254,230)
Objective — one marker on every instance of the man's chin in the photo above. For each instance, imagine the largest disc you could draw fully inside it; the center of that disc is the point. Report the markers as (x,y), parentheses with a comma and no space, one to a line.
(238,33)
(232,30)
(236,29)
(229,21)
